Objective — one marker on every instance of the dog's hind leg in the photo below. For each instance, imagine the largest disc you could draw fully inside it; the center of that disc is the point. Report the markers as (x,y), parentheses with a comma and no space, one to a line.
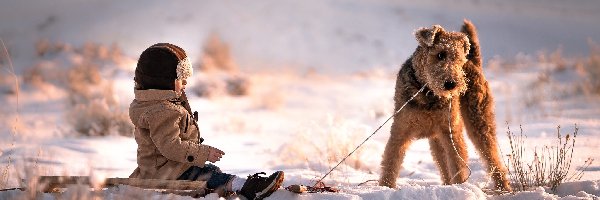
(394,153)
(477,110)
(481,128)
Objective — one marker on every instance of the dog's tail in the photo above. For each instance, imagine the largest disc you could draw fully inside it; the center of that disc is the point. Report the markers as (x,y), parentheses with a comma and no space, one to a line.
(474,52)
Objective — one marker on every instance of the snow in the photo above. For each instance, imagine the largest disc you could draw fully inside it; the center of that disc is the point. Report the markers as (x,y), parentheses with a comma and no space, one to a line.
(322,78)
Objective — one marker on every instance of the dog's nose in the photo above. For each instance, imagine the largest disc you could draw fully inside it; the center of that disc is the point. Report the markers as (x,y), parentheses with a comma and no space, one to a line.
(449,85)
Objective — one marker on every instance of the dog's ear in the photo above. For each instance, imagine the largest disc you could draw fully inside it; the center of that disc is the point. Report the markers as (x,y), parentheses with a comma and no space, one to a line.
(469,29)
(426,36)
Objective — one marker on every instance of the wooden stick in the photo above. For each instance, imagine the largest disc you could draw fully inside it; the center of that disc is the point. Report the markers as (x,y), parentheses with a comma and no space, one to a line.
(157,183)
(51,183)
(190,193)
(9,189)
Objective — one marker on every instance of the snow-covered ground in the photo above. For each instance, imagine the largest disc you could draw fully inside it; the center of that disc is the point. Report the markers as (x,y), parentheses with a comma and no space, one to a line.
(322,77)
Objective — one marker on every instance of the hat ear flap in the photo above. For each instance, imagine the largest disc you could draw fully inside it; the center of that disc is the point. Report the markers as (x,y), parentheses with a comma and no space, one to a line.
(184,69)
(426,36)
(184,66)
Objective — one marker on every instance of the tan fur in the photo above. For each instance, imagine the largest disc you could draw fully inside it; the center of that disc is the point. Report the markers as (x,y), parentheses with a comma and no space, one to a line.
(427,115)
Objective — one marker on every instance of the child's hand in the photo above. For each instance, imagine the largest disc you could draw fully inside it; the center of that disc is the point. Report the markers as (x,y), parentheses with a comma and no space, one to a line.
(215,154)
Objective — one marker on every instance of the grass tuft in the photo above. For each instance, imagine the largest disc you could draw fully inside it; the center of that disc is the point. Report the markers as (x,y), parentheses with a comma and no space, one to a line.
(325,146)
(219,74)
(216,55)
(550,165)
(93,107)
(4,177)
(589,70)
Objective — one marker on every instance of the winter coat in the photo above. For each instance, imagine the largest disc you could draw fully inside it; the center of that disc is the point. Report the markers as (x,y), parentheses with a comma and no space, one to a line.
(167,136)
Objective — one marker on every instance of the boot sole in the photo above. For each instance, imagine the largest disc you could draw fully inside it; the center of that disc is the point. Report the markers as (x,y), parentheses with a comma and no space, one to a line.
(272,188)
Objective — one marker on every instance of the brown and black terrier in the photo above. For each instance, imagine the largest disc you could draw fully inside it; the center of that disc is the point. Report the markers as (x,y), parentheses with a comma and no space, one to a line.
(456,94)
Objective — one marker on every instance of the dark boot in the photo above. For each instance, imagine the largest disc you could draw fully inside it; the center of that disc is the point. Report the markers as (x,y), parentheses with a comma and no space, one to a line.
(258,187)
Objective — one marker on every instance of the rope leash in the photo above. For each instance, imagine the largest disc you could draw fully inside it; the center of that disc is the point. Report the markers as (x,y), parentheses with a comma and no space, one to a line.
(452,141)
(388,119)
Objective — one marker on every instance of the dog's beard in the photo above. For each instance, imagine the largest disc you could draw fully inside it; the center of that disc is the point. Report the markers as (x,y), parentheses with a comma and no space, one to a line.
(437,86)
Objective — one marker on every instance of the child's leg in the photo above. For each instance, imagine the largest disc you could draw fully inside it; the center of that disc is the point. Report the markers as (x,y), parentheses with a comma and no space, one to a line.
(222,183)
(236,184)
(214,177)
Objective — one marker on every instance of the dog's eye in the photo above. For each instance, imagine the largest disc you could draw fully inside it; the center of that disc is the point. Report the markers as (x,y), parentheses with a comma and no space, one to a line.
(441,55)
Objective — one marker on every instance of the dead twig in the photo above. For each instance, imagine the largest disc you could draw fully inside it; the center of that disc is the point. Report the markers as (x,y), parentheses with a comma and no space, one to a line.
(549,167)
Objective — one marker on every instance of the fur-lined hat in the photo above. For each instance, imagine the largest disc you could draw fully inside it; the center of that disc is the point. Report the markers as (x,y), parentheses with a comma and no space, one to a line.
(160,65)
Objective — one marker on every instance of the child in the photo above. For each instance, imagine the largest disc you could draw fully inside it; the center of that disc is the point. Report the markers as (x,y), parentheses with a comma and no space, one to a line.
(168,138)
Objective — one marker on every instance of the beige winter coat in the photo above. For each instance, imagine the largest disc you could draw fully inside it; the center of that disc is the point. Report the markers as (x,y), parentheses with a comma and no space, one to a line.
(166,134)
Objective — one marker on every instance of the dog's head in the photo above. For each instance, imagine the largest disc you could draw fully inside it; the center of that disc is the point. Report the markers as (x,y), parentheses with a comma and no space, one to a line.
(439,60)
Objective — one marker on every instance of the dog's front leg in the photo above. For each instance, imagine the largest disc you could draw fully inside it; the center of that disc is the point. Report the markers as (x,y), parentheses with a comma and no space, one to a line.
(394,153)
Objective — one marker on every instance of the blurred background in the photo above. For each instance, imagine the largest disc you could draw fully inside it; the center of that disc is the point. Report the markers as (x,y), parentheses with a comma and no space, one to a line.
(330,36)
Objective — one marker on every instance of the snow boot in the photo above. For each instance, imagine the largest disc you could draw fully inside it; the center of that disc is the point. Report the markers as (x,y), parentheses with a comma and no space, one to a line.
(258,187)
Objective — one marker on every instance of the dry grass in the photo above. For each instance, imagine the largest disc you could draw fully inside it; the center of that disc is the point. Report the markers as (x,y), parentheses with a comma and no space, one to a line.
(237,86)
(555,58)
(209,87)
(95,110)
(83,74)
(219,84)
(83,83)
(30,187)
(6,85)
(557,77)
(33,189)
(97,118)
(216,55)
(548,85)
(589,69)
(326,146)
(272,99)
(219,74)
(5,58)
(549,167)
(29,181)
(4,177)
(44,48)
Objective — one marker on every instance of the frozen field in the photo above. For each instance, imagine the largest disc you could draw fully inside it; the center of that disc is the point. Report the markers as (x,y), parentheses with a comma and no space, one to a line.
(321,77)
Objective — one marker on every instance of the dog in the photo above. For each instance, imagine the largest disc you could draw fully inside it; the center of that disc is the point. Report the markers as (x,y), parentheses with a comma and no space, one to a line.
(456,94)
